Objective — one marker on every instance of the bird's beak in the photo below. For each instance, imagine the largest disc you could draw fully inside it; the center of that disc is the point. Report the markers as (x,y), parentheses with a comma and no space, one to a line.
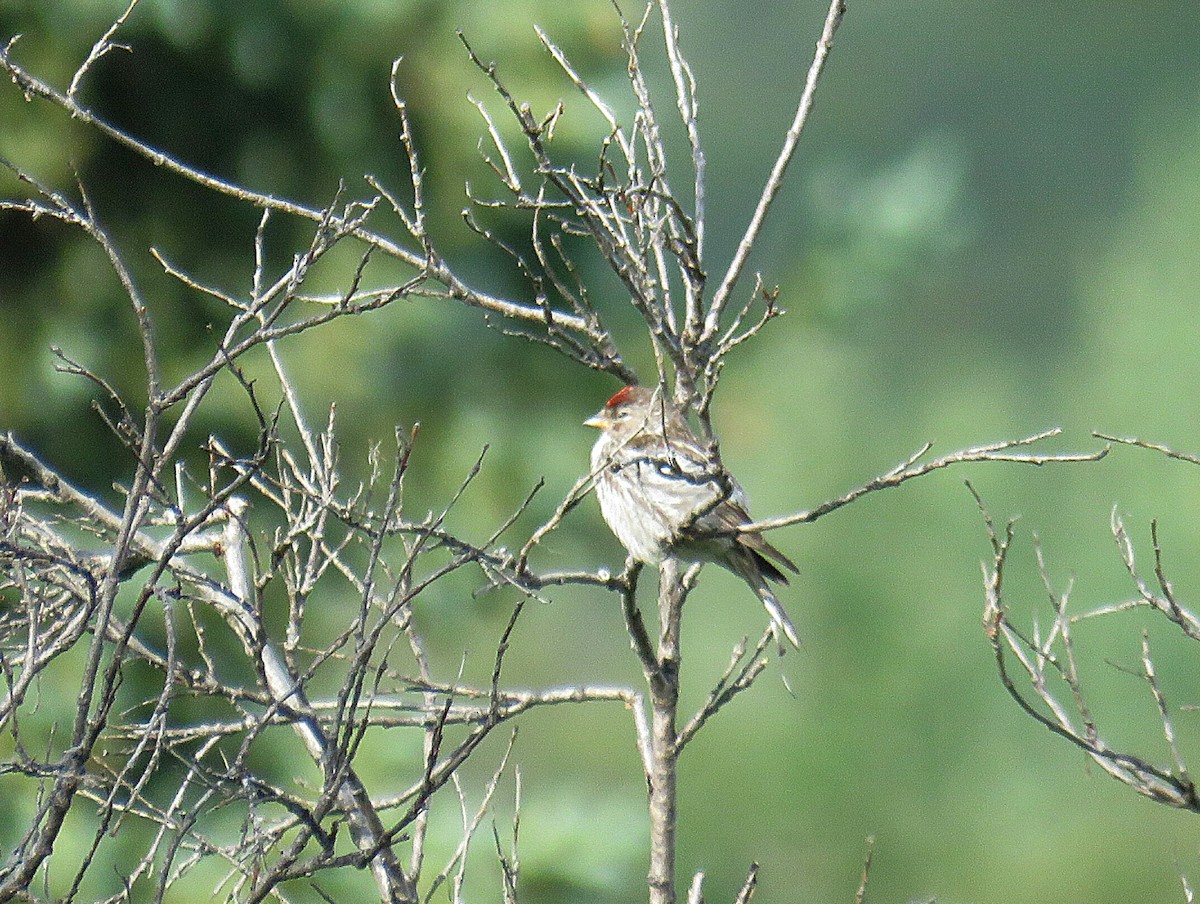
(596,420)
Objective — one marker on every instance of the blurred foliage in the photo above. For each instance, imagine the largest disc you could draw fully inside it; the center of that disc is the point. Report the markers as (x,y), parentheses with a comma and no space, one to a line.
(991,228)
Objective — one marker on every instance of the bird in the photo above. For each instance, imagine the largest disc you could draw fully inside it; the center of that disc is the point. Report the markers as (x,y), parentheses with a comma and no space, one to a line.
(664,495)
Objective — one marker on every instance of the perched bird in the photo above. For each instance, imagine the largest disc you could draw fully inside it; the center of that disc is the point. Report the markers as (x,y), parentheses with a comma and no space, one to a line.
(662,495)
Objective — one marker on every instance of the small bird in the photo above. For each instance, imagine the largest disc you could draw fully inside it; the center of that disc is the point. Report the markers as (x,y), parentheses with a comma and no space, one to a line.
(662,495)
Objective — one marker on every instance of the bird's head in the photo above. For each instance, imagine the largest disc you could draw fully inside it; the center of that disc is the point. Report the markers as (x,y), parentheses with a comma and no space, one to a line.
(627,409)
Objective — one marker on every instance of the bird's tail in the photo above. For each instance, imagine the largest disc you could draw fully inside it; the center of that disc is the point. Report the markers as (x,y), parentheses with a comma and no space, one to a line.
(781,625)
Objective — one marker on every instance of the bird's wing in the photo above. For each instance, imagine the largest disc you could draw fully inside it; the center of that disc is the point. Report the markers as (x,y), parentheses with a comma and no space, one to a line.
(729,516)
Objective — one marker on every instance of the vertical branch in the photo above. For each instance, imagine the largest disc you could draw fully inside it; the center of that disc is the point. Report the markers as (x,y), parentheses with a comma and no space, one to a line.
(833,19)
(664,747)
(688,104)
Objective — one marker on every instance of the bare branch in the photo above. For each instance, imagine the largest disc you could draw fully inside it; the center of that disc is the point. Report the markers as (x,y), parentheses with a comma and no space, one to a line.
(833,18)
(909,469)
(1154,447)
(729,685)
(99,49)
(436,268)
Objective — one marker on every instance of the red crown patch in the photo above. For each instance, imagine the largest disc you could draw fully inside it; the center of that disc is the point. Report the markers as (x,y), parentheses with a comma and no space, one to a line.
(621,395)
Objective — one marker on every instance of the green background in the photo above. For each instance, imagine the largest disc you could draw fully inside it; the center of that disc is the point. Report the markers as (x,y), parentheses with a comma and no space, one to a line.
(992,227)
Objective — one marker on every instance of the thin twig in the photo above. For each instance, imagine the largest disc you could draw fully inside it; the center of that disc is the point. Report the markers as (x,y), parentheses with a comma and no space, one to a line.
(909,469)
(860,896)
(746,892)
(1154,447)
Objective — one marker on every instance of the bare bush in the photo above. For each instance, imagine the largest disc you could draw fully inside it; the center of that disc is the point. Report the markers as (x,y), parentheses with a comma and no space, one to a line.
(1041,666)
(240,771)
(1047,682)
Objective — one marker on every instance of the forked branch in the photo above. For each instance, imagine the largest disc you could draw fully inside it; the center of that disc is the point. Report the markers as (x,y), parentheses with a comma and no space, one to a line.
(1042,673)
